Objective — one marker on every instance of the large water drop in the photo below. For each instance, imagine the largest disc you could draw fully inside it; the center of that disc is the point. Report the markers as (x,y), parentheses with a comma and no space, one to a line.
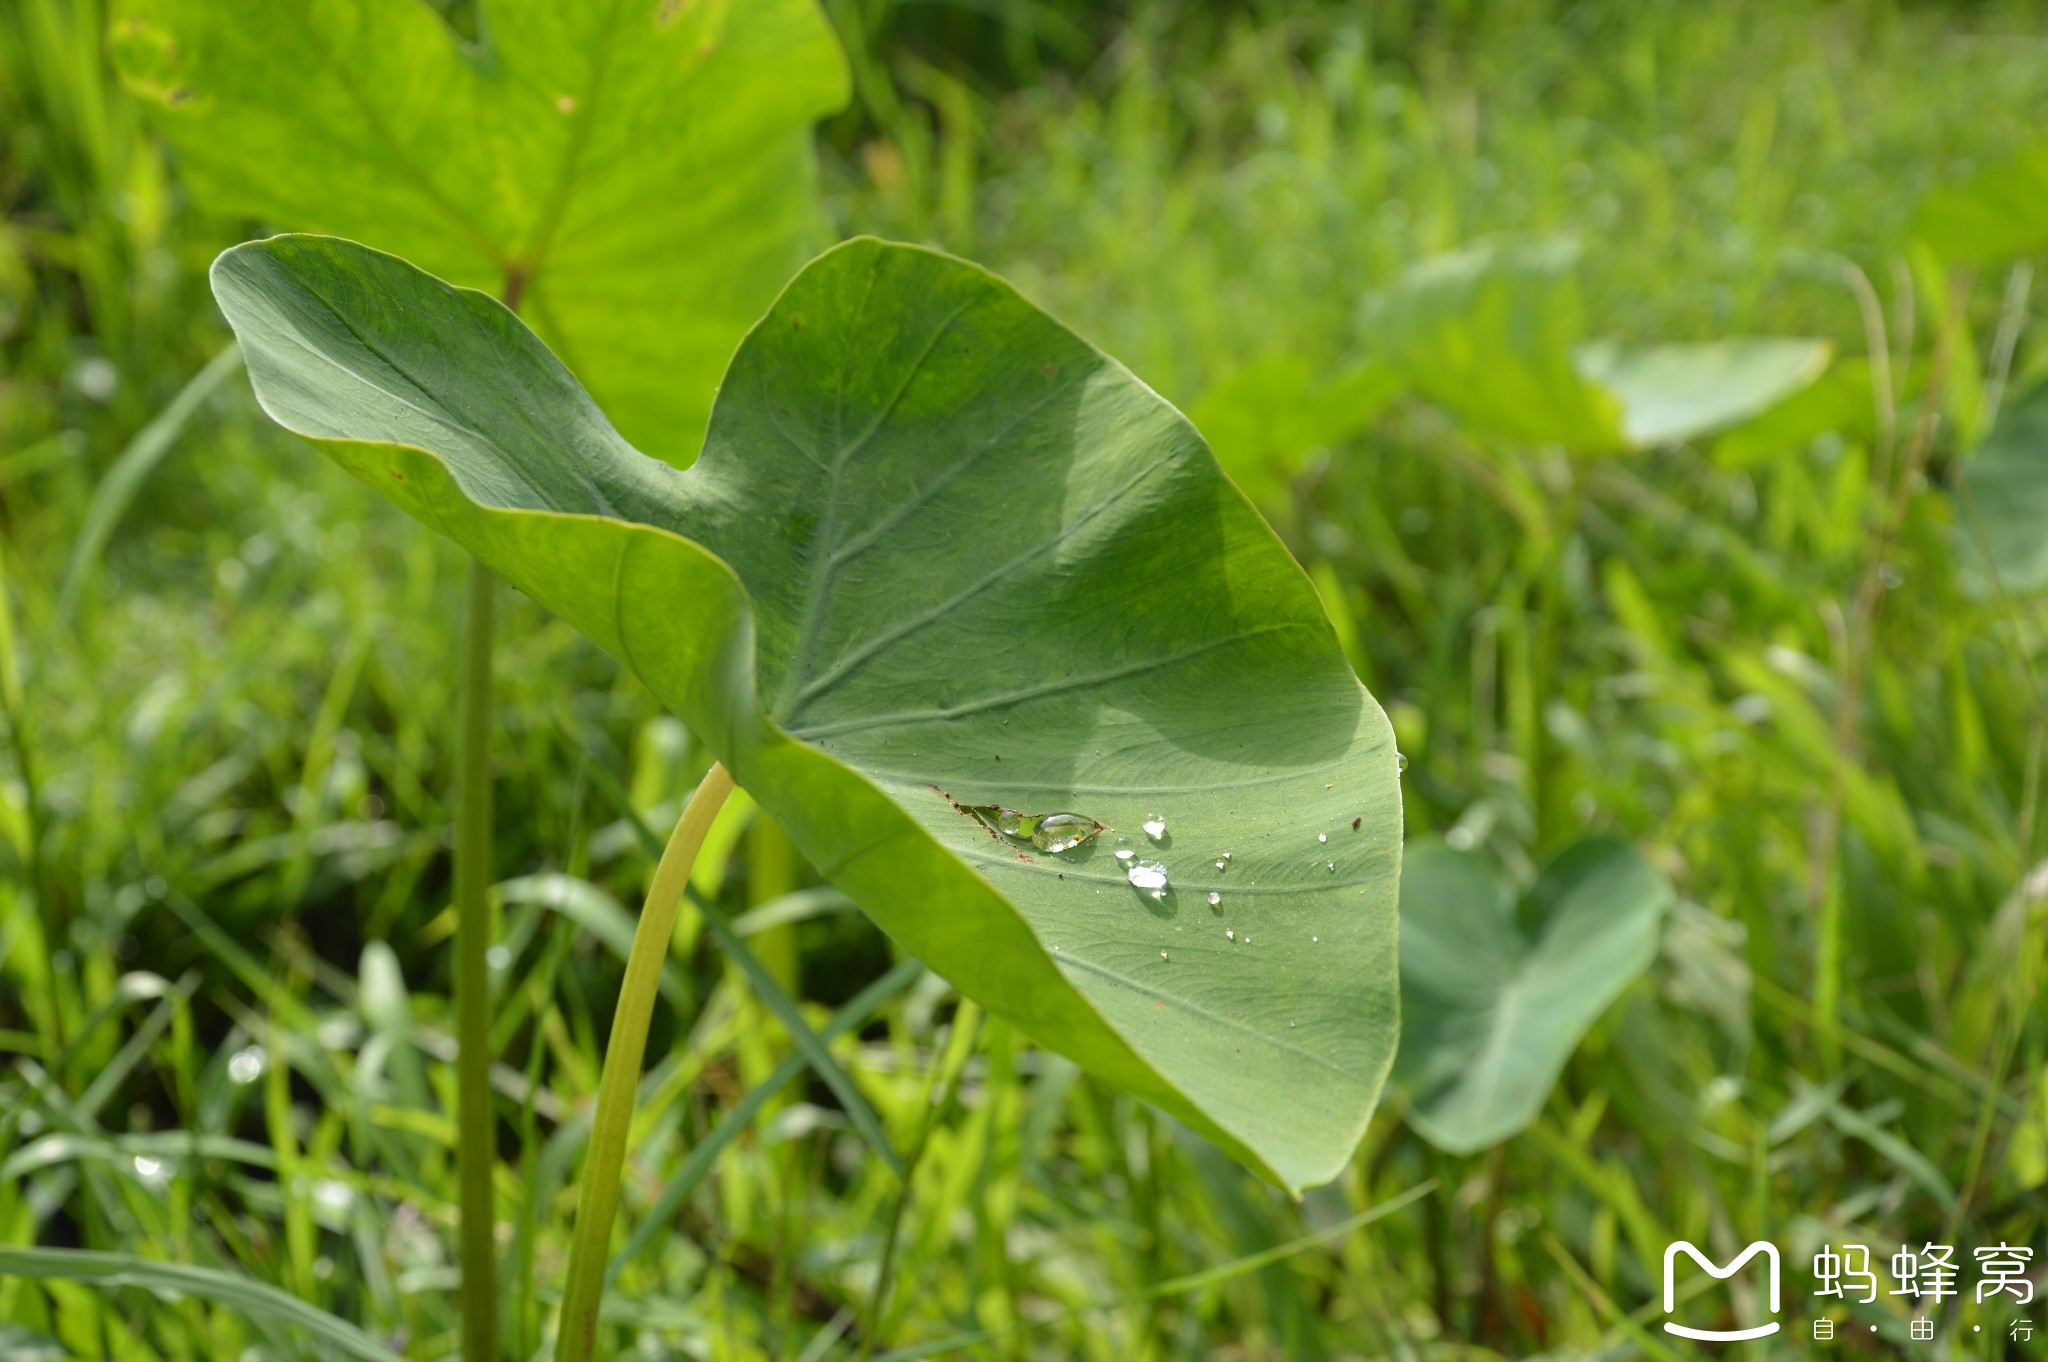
(1146,875)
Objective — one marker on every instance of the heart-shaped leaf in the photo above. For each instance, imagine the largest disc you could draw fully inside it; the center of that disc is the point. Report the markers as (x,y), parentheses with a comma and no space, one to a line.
(639,172)
(1496,994)
(1494,333)
(938,553)
(2006,483)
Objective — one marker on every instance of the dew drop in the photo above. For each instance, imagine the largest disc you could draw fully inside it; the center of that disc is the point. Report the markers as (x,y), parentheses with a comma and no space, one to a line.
(1146,875)
(1009,822)
(1230,933)
(1333,866)
(1155,825)
(246,1064)
(1162,955)
(1221,864)
(1123,849)
(1322,837)
(1214,898)
(1057,832)
(1315,938)
(1400,762)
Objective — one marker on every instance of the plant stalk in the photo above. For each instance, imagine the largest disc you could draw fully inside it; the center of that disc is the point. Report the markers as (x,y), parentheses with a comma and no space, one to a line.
(476,1143)
(597,1201)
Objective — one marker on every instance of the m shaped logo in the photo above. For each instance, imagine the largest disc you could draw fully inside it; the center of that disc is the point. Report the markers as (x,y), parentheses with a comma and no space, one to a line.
(1767,1249)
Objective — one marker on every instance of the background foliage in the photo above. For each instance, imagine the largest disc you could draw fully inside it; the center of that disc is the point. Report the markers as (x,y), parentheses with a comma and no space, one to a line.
(1758,657)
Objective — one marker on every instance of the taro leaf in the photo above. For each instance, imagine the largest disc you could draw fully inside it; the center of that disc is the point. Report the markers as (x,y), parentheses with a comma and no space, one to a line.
(2006,486)
(1671,393)
(1495,995)
(1999,213)
(936,543)
(644,167)
(1493,333)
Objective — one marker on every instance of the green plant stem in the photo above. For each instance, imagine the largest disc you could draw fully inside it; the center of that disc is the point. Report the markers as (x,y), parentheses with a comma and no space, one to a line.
(597,1200)
(476,1147)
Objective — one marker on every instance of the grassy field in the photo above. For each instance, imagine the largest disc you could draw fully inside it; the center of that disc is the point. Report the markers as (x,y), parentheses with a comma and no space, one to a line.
(225,1027)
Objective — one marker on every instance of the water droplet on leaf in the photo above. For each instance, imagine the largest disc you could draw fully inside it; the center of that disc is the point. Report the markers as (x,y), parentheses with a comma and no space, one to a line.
(1214,898)
(1057,832)
(1123,849)
(1146,875)
(1155,826)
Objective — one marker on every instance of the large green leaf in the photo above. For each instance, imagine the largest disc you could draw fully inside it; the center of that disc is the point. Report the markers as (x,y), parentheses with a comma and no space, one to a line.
(1495,333)
(1496,994)
(642,166)
(2006,482)
(936,543)
(1996,214)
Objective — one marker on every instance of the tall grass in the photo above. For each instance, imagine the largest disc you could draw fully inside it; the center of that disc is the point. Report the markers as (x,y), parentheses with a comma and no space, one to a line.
(225,833)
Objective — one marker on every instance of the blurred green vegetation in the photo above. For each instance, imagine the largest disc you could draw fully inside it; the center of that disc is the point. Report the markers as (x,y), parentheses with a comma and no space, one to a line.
(224,817)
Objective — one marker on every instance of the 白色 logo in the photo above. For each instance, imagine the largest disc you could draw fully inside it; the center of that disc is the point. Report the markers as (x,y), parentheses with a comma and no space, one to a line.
(1761,1246)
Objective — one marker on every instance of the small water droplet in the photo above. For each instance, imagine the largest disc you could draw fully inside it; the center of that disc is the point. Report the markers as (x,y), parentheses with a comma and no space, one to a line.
(499,957)
(1315,938)
(1221,864)
(148,1169)
(1146,875)
(1162,955)
(1057,832)
(1123,849)
(1400,762)
(1214,898)
(1230,933)
(246,1064)
(1155,825)
(1333,867)
(1322,837)
(1009,822)
(1247,941)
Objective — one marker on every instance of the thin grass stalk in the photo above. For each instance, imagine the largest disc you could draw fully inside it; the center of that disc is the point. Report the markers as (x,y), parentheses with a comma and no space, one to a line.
(941,1093)
(597,1201)
(476,1145)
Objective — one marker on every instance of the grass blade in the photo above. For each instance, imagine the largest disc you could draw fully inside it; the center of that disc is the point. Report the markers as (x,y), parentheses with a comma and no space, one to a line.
(124,479)
(253,1299)
(1172,1286)
(659,1216)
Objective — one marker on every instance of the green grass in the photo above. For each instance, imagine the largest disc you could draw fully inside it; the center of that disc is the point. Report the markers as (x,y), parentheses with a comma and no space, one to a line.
(225,802)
